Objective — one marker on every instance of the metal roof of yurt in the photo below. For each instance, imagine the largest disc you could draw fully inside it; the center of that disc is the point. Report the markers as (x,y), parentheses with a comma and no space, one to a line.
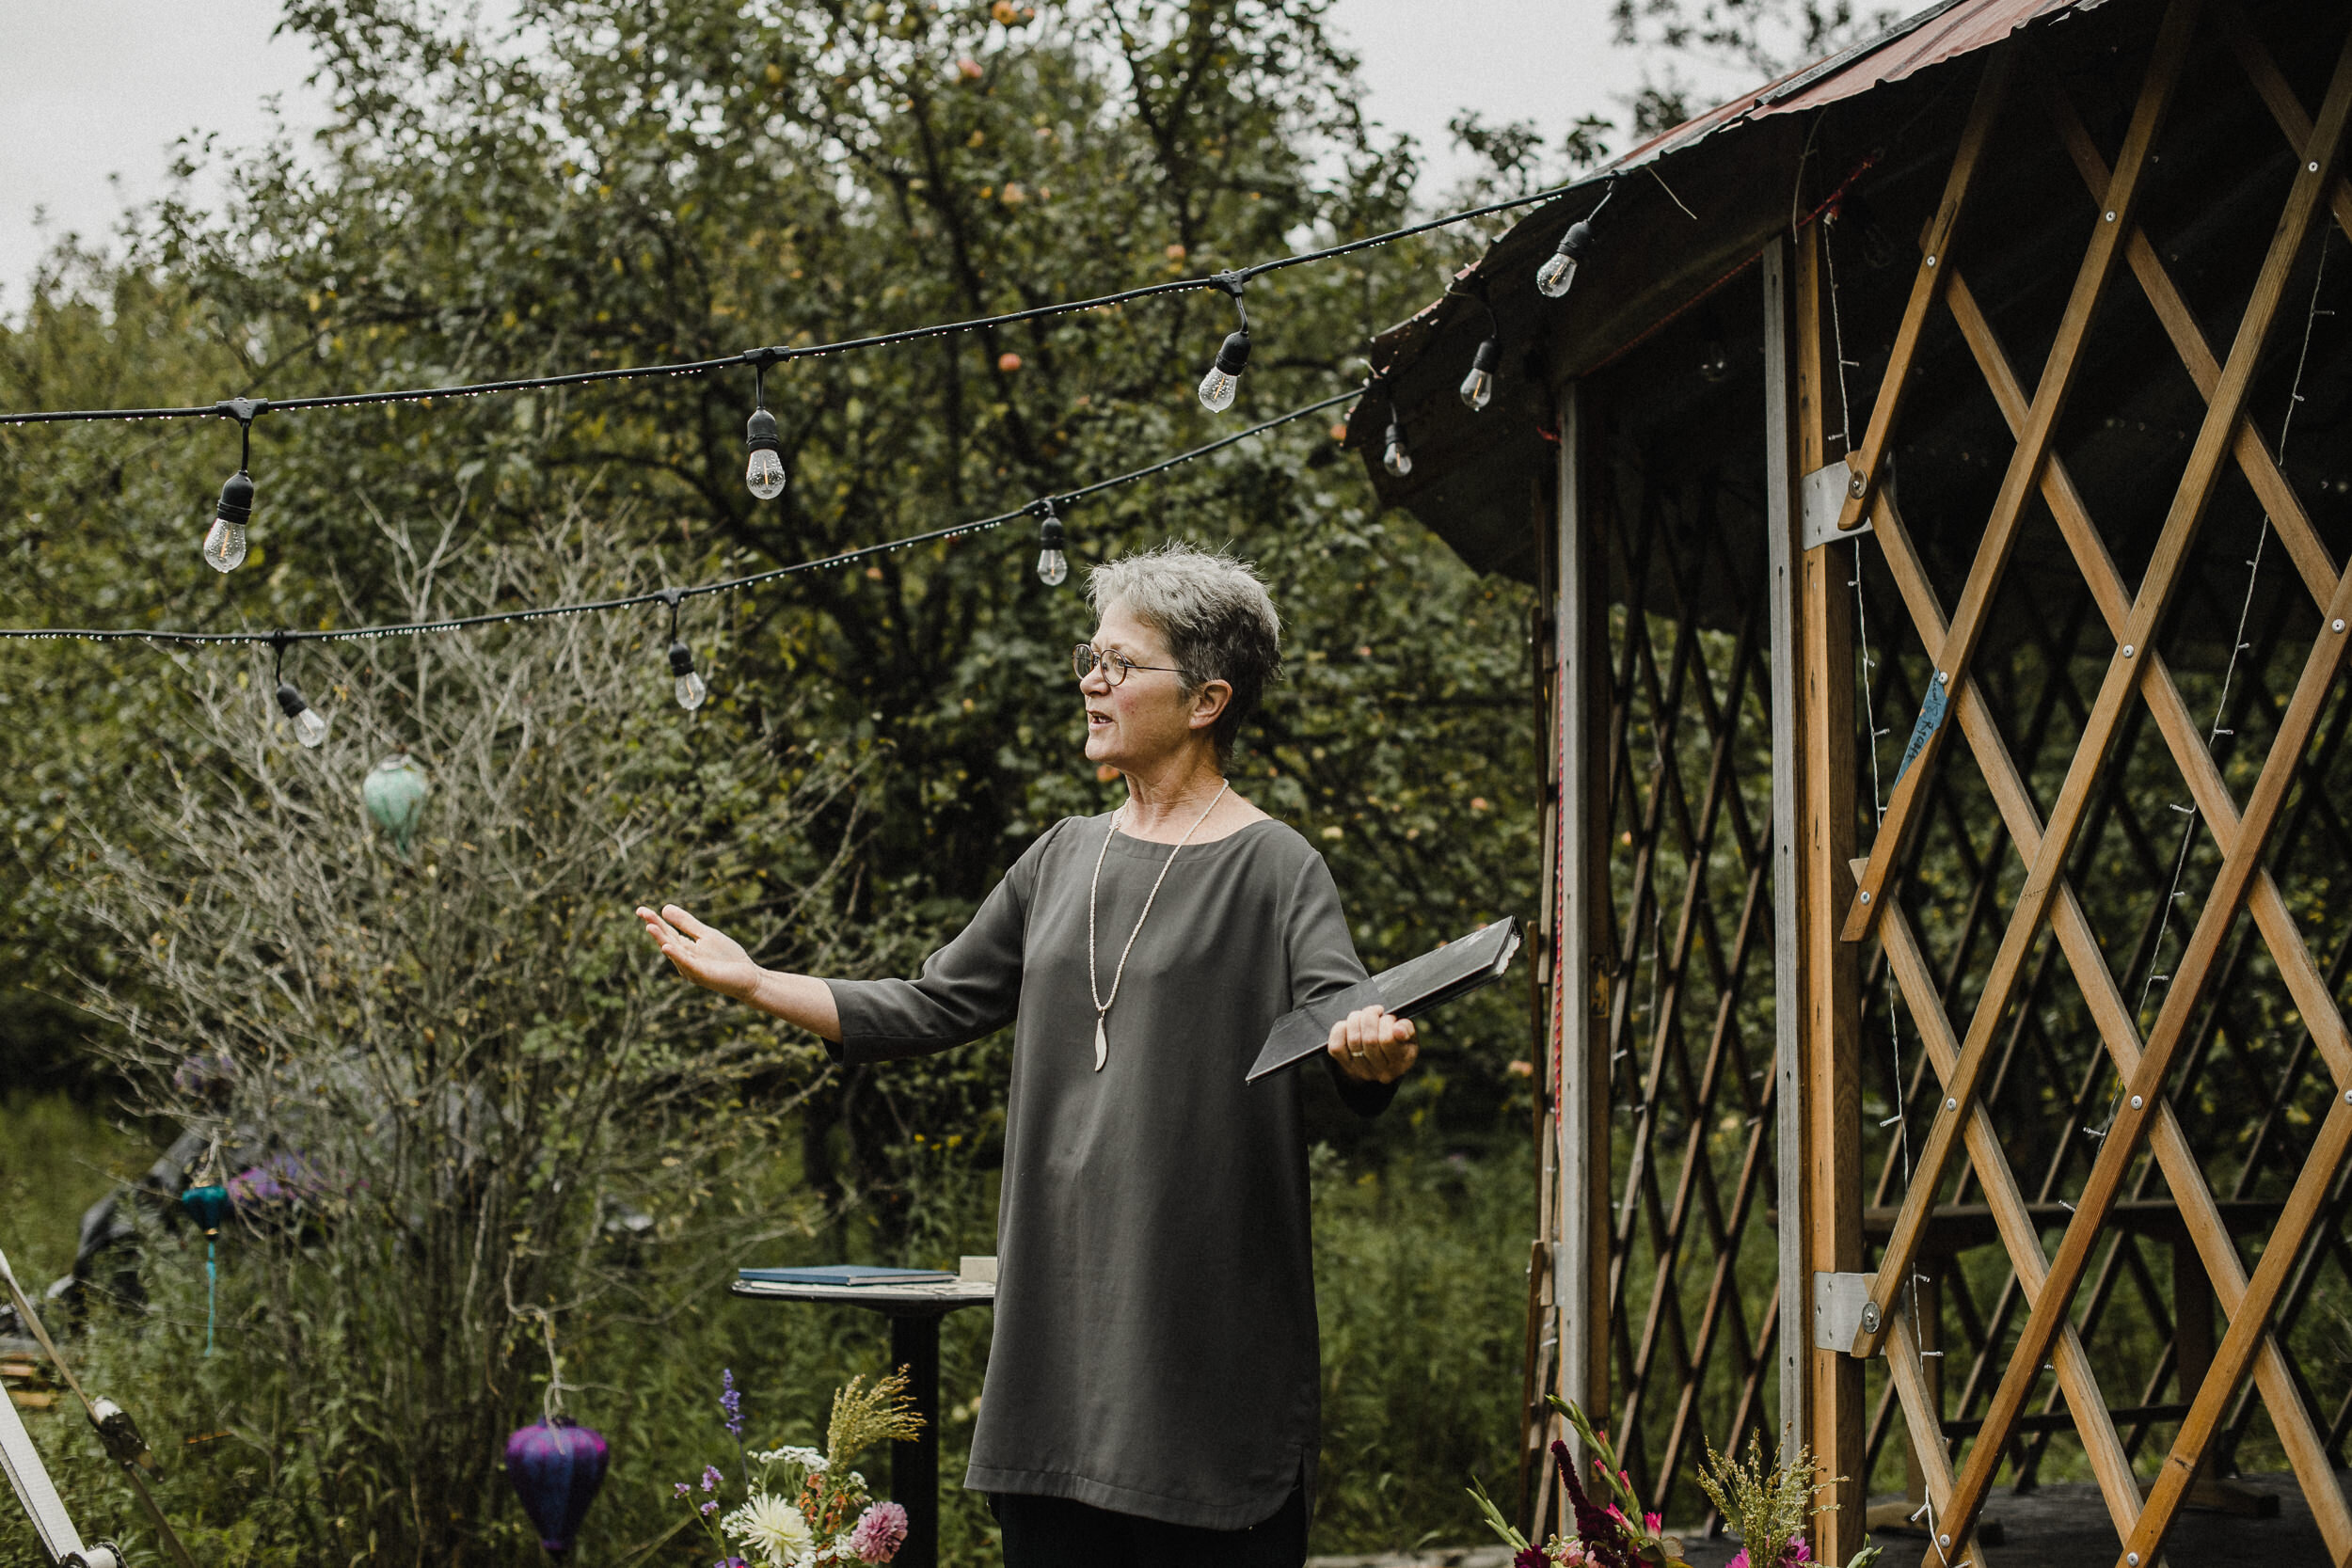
(1671,284)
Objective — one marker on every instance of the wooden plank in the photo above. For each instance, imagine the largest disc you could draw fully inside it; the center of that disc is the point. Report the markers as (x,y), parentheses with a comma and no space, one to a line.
(2156,586)
(2313,996)
(1543,1330)
(1579,1258)
(1926,285)
(2277,497)
(2023,477)
(1781,512)
(2305,1205)
(1905,1371)
(1534,1381)
(2113,1017)
(1831,1021)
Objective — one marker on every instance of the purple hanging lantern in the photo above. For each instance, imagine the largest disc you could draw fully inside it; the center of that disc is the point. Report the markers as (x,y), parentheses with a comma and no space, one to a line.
(556,1468)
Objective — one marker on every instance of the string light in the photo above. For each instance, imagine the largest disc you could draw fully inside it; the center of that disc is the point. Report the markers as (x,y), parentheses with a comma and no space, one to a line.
(1478,382)
(1478,387)
(1558,273)
(1714,354)
(1395,456)
(309,727)
(686,683)
(1053,566)
(1224,378)
(224,541)
(765,474)
(780,354)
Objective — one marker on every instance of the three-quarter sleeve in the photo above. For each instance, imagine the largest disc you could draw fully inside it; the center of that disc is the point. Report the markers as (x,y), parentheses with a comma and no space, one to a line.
(1323,963)
(968,989)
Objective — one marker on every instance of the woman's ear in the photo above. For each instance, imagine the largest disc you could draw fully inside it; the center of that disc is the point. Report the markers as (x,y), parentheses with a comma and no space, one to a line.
(1209,702)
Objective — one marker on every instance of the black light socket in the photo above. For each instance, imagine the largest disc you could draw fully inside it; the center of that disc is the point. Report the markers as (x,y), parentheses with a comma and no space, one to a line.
(760,431)
(290,701)
(1050,535)
(1233,355)
(681,659)
(236,498)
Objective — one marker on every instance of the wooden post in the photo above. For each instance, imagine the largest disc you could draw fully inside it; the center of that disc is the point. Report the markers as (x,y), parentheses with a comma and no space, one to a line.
(1543,1318)
(1580,1257)
(1828,1020)
(1781,510)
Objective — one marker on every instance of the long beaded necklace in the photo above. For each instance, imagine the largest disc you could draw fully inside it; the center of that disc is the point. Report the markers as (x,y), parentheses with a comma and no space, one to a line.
(1094,990)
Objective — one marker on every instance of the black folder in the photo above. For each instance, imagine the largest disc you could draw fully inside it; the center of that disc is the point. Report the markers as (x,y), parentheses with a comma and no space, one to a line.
(1408,991)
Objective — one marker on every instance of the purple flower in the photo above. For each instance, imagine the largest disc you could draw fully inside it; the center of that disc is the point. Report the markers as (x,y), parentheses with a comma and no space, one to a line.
(730,1562)
(711,1478)
(683,1489)
(711,1508)
(731,1403)
(882,1529)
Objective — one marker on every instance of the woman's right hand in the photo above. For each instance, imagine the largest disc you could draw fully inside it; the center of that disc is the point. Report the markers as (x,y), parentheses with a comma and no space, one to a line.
(704,954)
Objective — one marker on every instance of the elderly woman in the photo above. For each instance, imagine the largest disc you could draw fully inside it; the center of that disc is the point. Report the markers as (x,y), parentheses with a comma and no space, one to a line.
(1152,1385)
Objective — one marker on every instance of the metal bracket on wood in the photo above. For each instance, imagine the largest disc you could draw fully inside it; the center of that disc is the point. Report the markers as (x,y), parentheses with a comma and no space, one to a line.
(1842,1308)
(1823,493)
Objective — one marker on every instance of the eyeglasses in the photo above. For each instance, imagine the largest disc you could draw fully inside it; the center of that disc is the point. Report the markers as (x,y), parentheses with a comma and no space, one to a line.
(1085,660)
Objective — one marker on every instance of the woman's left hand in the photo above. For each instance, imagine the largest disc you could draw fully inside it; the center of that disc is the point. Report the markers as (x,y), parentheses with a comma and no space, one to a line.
(1373,1044)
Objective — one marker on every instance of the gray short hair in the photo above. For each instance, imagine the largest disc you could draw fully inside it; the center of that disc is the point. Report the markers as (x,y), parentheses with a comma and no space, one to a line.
(1219,622)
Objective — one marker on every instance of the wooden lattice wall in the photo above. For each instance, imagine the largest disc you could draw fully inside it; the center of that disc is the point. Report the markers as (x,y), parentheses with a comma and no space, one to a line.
(1983,926)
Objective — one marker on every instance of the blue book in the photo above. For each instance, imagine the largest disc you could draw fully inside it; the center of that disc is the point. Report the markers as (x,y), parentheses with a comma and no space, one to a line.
(847,1273)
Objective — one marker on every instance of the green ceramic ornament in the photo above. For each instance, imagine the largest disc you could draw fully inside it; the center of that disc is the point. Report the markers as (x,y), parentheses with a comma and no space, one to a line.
(395,791)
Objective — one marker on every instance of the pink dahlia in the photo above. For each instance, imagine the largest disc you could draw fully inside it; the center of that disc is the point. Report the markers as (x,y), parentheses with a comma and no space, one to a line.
(1798,1552)
(882,1529)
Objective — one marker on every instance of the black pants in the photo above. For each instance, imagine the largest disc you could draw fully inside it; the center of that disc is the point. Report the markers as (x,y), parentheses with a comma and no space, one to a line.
(1055,1532)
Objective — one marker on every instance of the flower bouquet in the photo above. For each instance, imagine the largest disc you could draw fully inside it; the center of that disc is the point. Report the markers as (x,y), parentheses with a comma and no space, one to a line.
(1766,1506)
(1606,1534)
(803,1508)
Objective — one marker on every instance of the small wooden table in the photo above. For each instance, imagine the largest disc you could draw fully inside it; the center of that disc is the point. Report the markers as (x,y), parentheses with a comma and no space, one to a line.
(913,1311)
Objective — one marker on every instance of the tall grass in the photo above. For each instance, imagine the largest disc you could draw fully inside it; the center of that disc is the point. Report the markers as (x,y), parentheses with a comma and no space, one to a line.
(56,1158)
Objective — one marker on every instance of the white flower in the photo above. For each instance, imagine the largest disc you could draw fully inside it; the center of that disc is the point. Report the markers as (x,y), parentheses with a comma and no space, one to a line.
(808,1459)
(771,1527)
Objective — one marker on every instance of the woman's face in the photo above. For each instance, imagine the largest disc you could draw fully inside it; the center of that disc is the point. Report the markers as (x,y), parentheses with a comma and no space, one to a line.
(1147,719)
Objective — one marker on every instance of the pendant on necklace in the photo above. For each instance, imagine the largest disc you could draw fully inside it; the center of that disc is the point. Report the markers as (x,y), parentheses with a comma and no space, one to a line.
(1102,1045)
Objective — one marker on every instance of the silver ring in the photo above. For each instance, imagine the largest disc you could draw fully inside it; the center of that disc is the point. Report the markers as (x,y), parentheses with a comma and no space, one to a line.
(1356,1052)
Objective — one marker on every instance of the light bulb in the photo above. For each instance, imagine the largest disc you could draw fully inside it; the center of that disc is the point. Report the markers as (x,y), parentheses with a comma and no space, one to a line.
(307,726)
(1224,378)
(1478,387)
(224,542)
(765,473)
(1554,277)
(224,546)
(1053,566)
(689,686)
(1714,352)
(1398,461)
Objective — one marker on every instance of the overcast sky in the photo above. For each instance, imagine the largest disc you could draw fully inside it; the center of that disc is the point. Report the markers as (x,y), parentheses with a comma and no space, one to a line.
(93,93)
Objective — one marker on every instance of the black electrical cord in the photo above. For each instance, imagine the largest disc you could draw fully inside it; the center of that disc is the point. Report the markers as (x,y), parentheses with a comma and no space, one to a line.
(246,409)
(671,597)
